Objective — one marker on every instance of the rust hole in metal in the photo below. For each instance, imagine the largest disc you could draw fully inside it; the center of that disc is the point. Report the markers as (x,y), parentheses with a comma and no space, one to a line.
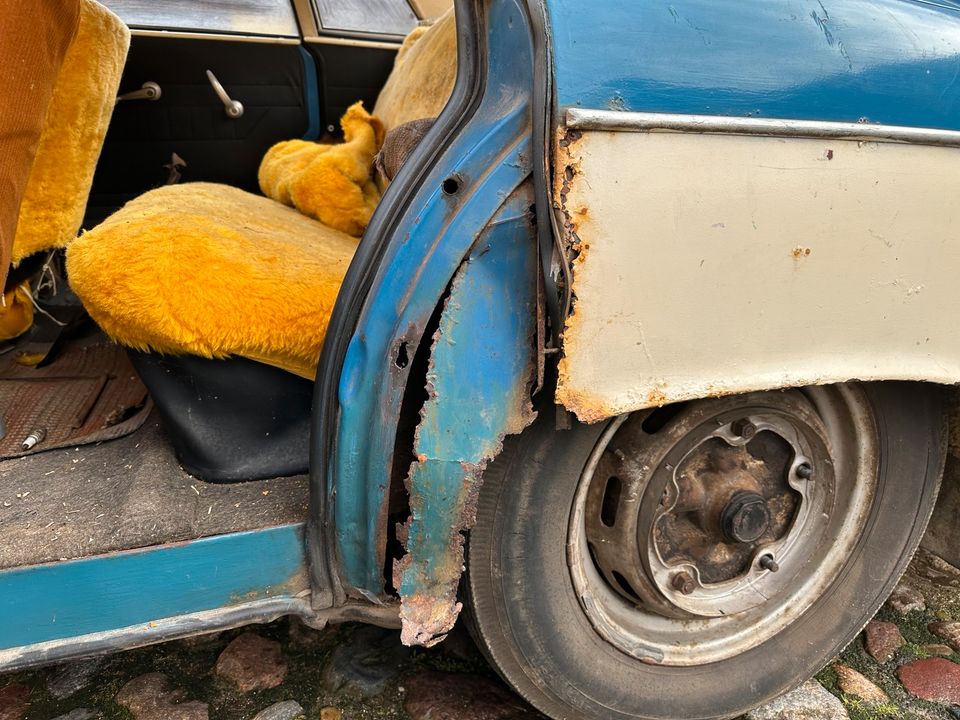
(402,359)
(396,513)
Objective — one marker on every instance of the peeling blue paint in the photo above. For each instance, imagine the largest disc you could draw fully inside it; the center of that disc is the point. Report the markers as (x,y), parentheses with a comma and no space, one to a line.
(492,156)
(483,364)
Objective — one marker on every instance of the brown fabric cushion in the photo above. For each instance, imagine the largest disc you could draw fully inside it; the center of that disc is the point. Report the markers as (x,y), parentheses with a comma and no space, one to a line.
(34,37)
(397,146)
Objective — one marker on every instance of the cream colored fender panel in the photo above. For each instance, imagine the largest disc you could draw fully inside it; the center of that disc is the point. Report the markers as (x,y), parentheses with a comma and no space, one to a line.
(712,264)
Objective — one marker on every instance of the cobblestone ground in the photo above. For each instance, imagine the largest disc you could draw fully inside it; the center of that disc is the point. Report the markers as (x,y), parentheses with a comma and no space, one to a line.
(904,665)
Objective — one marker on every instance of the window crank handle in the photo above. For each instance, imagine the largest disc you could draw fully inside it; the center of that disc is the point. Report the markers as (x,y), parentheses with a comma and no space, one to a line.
(148,91)
(233,108)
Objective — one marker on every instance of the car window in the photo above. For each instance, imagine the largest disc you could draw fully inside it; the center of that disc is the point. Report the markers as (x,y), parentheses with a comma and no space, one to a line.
(247,17)
(383,17)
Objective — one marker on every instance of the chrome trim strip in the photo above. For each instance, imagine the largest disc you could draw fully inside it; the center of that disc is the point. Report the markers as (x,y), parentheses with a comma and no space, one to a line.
(161,630)
(585,119)
(183,35)
(352,42)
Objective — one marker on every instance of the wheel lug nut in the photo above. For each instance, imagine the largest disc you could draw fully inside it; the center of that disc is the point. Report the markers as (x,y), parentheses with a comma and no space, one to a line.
(768,563)
(683,583)
(804,471)
(744,428)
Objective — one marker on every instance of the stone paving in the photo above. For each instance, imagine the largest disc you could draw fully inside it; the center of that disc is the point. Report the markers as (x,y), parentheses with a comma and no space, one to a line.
(903,665)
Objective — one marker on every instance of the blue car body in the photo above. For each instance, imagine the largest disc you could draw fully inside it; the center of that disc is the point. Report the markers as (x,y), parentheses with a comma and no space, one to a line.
(454,249)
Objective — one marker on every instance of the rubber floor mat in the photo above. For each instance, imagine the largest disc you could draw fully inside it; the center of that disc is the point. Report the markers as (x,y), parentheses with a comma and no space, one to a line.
(89,393)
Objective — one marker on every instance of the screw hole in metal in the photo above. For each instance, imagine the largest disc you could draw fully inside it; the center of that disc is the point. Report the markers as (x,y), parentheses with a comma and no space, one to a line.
(450,186)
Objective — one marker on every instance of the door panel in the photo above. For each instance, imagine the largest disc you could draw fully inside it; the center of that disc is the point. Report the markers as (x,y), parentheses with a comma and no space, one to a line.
(350,73)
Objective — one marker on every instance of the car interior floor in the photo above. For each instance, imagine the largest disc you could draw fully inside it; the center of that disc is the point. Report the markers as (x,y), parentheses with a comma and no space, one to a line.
(130,492)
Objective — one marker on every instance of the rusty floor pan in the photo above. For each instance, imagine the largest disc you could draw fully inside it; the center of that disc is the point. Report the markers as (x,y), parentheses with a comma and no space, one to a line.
(89,393)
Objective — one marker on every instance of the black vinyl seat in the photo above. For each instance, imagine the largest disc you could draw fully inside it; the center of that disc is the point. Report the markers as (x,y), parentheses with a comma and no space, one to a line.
(233,419)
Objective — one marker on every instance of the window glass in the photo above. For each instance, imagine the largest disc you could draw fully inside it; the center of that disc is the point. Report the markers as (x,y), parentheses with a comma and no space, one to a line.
(384,17)
(247,17)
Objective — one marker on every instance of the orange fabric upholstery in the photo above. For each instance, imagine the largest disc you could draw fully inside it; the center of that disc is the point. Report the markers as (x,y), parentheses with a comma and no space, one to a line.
(55,197)
(34,37)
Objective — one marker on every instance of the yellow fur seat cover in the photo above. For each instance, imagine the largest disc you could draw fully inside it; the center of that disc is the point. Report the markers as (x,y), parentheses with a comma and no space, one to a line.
(55,197)
(210,270)
(54,193)
(214,271)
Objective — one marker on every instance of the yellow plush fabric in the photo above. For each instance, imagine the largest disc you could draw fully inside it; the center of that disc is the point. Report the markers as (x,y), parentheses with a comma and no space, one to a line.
(210,270)
(55,196)
(33,43)
(429,9)
(16,312)
(423,75)
(332,183)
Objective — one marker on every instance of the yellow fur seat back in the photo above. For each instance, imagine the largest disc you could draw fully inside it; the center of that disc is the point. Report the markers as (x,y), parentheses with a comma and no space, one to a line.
(210,270)
(333,183)
(55,196)
(423,74)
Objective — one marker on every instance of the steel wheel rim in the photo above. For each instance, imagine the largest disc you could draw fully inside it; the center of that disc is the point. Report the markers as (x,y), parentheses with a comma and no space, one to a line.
(661,625)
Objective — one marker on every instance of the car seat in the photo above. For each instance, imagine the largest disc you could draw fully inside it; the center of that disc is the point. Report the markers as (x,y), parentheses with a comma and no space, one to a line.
(203,271)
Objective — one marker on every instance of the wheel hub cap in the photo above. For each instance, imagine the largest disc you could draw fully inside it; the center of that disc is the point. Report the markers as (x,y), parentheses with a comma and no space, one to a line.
(721,511)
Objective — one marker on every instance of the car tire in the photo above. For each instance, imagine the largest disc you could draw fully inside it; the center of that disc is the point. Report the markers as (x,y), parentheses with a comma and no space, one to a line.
(529,616)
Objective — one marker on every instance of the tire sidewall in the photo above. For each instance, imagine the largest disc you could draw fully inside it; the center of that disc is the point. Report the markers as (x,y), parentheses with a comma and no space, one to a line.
(568,670)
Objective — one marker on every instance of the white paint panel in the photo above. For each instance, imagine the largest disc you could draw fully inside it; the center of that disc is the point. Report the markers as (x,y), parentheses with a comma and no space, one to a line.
(716,264)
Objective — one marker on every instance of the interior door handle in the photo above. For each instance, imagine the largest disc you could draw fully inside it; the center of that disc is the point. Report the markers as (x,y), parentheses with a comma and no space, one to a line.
(148,91)
(233,108)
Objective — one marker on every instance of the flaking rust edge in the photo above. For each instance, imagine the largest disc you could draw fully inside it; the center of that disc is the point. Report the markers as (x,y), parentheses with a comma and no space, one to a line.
(488,320)
(567,149)
(428,613)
